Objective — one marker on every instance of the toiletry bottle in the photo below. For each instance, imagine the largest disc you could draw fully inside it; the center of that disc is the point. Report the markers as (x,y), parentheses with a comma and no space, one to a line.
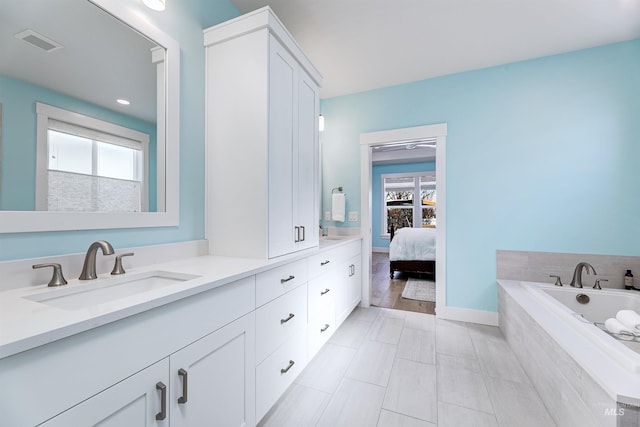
(628,280)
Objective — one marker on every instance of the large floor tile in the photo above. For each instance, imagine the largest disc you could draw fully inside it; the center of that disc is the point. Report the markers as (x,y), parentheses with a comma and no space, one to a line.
(424,322)
(372,363)
(354,404)
(392,419)
(517,404)
(326,370)
(461,385)
(453,338)
(457,416)
(352,333)
(299,406)
(365,314)
(386,329)
(417,345)
(412,390)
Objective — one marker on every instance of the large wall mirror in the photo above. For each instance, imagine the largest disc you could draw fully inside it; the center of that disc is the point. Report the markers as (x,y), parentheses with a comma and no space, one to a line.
(90,117)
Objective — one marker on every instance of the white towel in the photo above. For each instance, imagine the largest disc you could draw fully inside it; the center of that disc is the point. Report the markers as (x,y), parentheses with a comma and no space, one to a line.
(616,327)
(337,207)
(630,319)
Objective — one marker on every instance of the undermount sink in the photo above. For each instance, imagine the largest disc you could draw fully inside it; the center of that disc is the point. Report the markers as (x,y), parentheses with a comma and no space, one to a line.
(100,291)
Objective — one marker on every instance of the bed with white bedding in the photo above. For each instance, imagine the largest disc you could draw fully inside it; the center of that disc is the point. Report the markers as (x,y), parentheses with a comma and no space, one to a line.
(412,250)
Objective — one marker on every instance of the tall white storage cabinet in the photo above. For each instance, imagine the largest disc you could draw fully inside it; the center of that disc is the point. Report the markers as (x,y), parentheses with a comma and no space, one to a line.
(262,139)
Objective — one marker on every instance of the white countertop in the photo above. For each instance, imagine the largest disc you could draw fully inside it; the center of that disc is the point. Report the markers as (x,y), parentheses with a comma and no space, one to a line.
(25,324)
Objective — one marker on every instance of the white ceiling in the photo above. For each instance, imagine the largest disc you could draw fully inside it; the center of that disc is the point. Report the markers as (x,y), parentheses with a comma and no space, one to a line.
(360,45)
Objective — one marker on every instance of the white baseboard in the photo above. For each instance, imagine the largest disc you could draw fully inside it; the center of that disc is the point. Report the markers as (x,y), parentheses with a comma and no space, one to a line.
(381,250)
(468,315)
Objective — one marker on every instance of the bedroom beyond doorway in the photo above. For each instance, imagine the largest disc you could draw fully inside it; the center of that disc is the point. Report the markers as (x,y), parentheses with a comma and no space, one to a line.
(387,292)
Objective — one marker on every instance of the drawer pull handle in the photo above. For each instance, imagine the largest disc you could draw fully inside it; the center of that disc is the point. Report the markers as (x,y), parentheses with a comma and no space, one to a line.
(185,387)
(326,326)
(287,279)
(291,316)
(325,291)
(322,263)
(163,401)
(289,366)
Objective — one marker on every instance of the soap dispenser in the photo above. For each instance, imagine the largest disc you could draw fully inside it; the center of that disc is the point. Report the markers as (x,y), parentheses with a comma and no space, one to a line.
(628,280)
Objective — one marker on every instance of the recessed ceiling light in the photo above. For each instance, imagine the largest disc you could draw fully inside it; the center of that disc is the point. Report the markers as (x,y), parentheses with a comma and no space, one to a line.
(158,5)
(123,102)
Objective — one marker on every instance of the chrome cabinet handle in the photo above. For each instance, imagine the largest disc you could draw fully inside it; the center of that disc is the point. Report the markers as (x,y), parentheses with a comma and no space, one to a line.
(323,263)
(287,279)
(291,316)
(303,234)
(326,326)
(289,366)
(352,270)
(297,230)
(325,291)
(185,377)
(163,401)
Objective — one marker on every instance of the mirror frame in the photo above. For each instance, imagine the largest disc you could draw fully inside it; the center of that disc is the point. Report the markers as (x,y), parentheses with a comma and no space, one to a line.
(38,221)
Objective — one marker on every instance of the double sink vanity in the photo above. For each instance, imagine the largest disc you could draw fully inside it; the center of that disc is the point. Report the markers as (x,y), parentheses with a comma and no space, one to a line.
(208,340)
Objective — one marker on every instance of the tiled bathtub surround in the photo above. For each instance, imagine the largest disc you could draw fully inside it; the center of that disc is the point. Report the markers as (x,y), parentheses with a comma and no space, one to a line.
(571,395)
(537,266)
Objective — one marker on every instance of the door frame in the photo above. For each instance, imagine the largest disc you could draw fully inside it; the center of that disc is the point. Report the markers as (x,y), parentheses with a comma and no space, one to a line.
(367,142)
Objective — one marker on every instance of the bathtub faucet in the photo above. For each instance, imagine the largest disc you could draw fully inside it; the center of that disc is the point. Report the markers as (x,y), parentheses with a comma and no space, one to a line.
(577,273)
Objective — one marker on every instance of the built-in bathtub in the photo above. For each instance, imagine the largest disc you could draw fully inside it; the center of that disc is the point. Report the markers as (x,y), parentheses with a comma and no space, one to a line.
(585,376)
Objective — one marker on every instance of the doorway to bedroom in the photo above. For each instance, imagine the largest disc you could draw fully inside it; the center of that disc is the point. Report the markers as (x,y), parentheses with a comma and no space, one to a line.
(404,202)
(403,228)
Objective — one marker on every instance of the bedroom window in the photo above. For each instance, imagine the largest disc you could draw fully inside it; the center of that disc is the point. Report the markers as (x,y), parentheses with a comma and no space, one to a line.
(410,200)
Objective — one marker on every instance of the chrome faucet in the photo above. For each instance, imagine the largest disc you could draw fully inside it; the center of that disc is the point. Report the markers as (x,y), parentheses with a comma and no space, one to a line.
(576,281)
(89,267)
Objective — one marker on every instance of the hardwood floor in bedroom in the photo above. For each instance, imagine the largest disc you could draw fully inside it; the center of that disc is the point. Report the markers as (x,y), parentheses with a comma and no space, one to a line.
(387,293)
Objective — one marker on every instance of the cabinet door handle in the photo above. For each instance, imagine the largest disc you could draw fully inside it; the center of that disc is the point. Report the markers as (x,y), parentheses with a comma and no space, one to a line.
(297,232)
(285,320)
(163,401)
(289,366)
(185,387)
(323,263)
(325,291)
(326,326)
(352,269)
(287,279)
(304,236)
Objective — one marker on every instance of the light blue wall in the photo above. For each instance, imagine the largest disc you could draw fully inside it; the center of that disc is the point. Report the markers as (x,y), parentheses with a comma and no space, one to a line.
(184,21)
(19,116)
(541,155)
(376,194)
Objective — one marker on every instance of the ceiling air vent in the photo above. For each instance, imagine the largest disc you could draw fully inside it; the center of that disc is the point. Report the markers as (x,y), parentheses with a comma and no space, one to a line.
(38,40)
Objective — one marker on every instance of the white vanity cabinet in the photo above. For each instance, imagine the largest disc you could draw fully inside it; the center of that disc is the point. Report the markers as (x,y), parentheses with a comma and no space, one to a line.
(208,382)
(281,331)
(334,291)
(262,139)
(114,374)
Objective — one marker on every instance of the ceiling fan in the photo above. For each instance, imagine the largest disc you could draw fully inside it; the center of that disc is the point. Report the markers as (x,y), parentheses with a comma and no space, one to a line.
(406,145)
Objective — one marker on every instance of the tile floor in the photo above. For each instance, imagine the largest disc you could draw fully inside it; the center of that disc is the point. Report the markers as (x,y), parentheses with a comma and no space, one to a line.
(386,368)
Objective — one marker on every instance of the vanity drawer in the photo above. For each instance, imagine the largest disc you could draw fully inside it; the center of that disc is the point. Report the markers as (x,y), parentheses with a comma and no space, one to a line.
(322,290)
(280,280)
(280,319)
(320,328)
(325,261)
(278,371)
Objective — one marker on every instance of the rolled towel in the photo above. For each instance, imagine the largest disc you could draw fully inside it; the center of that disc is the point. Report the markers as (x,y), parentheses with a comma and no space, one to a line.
(630,319)
(616,327)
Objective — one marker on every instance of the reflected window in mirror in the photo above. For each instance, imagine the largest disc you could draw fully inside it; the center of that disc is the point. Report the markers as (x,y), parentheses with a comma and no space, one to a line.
(89,165)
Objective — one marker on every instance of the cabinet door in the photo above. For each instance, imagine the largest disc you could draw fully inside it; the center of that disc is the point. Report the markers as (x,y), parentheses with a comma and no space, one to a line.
(213,379)
(355,280)
(136,402)
(283,91)
(306,200)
